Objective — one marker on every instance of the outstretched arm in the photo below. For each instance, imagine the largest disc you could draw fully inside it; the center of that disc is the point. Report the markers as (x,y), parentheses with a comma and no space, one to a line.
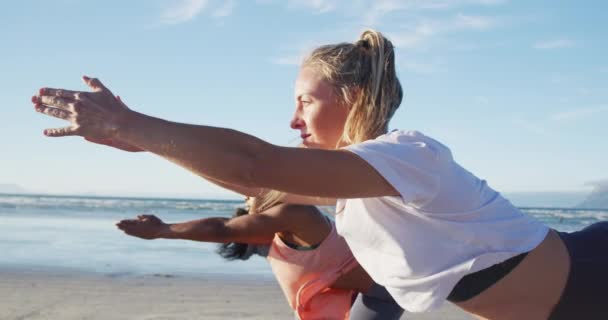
(257,228)
(214,229)
(249,192)
(221,154)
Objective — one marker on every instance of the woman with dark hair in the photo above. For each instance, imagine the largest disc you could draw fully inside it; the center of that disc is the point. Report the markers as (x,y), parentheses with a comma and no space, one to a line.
(314,267)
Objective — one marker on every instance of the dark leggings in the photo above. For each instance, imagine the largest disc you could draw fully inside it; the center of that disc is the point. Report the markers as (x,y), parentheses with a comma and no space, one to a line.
(585,296)
(375,304)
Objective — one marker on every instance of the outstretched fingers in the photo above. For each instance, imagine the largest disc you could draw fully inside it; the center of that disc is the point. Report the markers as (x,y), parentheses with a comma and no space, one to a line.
(61,132)
(149,218)
(69,104)
(54,112)
(60,93)
(126,222)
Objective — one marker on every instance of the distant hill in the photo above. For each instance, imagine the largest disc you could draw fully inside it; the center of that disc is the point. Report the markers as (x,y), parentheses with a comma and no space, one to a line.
(598,198)
(11,188)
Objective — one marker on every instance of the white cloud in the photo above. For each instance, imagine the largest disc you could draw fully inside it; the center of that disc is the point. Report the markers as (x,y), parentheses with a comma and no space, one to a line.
(554,44)
(225,10)
(371,11)
(414,38)
(417,31)
(488,2)
(182,11)
(423,32)
(318,6)
(577,114)
(432,4)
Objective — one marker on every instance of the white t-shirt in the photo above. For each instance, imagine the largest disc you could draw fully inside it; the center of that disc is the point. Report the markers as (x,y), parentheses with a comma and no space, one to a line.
(446,224)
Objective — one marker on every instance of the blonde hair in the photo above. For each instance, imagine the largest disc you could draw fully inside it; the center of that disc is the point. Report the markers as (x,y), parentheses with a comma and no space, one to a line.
(264,201)
(364,77)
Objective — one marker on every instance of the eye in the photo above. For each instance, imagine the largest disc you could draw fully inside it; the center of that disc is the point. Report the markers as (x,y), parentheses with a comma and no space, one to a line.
(305,102)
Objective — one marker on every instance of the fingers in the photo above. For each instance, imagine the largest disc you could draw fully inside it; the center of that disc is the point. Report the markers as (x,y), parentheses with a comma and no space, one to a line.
(149,218)
(61,132)
(94,84)
(60,93)
(54,112)
(63,111)
(136,228)
(123,224)
(57,102)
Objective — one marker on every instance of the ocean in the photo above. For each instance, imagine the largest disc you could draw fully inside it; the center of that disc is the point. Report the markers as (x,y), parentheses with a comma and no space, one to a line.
(40,232)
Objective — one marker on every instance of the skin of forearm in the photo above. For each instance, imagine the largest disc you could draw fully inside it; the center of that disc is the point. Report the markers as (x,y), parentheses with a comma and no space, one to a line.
(202,150)
(205,230)
(249,192)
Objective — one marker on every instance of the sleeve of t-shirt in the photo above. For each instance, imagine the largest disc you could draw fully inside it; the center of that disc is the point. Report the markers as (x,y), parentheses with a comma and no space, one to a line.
(411,167)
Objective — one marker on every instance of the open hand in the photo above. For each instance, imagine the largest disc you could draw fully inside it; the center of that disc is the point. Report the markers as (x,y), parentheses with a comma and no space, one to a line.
(96,115)
(145,226)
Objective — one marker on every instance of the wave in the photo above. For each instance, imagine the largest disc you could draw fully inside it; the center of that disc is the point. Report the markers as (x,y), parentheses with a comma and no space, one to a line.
(78,203)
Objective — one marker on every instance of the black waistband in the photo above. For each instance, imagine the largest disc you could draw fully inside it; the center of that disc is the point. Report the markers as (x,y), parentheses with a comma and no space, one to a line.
(475,283)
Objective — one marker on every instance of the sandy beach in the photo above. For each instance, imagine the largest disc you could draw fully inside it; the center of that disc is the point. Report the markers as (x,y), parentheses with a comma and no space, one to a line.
(35,294)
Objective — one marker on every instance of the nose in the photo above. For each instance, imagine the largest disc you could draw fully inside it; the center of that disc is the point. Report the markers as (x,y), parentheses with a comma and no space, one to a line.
(296,121)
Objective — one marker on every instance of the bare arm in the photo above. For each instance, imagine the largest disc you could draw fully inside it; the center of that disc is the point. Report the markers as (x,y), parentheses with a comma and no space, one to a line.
(120,145)
(219,154)
(246,229)
(236,158)
(250,228)
(250,192)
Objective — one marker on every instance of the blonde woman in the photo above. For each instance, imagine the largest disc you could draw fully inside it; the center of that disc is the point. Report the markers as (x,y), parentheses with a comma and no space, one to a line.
(419,224)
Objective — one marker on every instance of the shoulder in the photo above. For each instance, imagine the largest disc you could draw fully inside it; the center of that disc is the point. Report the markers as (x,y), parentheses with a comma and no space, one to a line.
(405,145)
(411,162)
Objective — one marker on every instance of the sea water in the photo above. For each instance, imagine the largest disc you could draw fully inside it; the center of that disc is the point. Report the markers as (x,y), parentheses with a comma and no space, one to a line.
(79,233)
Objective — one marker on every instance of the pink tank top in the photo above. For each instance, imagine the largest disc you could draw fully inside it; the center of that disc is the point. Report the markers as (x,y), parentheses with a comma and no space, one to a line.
(305,276)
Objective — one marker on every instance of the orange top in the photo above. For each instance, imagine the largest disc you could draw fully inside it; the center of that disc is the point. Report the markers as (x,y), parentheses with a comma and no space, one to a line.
(305,276)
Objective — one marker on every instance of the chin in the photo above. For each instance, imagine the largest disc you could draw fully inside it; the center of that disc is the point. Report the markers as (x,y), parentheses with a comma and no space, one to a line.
(311,144)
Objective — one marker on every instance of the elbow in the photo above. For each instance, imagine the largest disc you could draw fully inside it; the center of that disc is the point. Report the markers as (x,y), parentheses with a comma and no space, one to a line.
(206,230)
(218,232)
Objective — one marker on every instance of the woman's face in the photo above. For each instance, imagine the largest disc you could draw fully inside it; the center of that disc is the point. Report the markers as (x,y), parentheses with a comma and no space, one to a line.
(319,115)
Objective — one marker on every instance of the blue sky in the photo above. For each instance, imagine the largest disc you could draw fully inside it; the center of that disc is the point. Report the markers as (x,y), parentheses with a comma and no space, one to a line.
(517,89)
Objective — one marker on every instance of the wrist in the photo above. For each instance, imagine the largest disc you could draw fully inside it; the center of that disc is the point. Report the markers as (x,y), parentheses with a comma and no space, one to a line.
(165,232)
(125,120)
